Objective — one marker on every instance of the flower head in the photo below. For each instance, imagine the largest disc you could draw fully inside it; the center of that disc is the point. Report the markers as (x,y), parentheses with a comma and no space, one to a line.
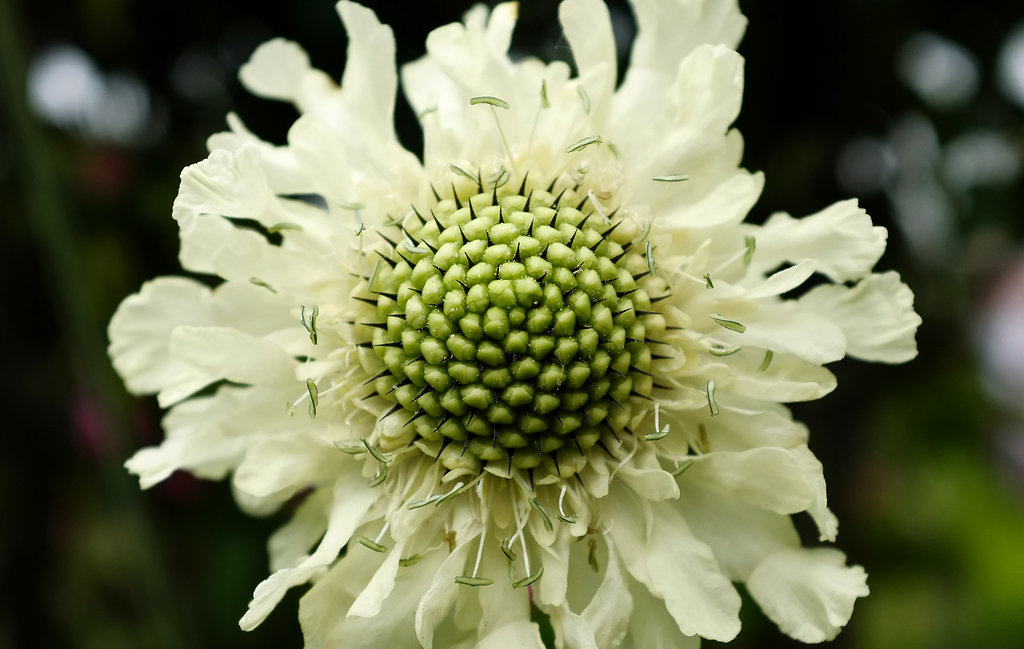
(544,365)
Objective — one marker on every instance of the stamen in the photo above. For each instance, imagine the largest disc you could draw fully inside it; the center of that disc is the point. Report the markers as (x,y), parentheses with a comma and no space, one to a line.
(314,395)
(584,143)
(710,392)
(584,99)
(731,325)
(492,101)
(310,325)
(373,545)
(256,281)
(543,514)
(671,178)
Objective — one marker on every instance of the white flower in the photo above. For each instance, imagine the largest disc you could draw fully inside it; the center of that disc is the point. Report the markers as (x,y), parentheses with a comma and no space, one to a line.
(544,366)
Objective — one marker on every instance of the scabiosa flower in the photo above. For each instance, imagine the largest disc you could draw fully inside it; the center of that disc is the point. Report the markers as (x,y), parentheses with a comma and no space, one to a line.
(544,366)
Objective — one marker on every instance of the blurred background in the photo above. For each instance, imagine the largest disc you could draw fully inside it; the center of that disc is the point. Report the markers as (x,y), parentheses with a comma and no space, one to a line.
(916,108)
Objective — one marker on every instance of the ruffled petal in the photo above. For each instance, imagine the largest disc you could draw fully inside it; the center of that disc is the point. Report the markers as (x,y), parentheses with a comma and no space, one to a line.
(780,480)
(840,238)
(876,316)
(352,499)
(278,467)
(321,610)
(140,330)
(662,553)
(588,28)
(809,593)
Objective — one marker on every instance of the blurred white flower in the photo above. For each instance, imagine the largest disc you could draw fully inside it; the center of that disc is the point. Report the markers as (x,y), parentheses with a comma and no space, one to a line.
(544,366)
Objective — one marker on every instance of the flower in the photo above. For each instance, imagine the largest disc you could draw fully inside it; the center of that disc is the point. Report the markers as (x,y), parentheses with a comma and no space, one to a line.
(544,366)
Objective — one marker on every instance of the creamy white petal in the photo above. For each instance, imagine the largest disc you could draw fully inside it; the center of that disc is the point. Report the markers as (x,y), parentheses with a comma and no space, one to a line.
(370,601)
(276,70)
(660,551)
(209,354)
(876,316)
(841,238)
(321,610)
(777,479)
(370,81)
(728,203)
(786,379)
(588,28)
(651,627)
(667,30)
(280,69)
(522,633)
(809,593)
(609,612)
(208,455)
(278,163)
(352,499)
(140,330)
(291,542)
(785,328)
(740,535)
(278,467)
(440,596)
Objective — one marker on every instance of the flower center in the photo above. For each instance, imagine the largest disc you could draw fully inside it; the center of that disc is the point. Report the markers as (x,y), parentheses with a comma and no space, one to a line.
(512,330)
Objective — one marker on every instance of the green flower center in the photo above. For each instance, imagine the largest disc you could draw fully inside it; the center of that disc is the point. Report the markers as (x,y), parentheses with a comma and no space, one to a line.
(512,330)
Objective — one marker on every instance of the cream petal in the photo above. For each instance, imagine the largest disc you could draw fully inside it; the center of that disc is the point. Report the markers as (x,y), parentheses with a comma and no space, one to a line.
(325,628)
(437,601)
(841,238)
(371,600)
(780,480)
(276,70)
(741,535)
(782,281)
(685,574)
(291,542)
(708,89)
(352,499)
(689,134)
(675,567)
(370,81)
(278,467)
(588,28)
(209,354)
(740,429)
(651,627)
(876,316)
(610,609)
(786,379)
(728,202)
(669,30)
(140,330)
(785,328)
(808,592)
(522,633)
(278,163)
(554,559)
(209,455)
(469,57)
(228,184)
(645,476)
(321,152)
(572,631)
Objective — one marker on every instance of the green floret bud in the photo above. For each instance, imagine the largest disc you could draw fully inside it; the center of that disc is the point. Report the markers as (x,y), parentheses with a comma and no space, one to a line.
(513,329)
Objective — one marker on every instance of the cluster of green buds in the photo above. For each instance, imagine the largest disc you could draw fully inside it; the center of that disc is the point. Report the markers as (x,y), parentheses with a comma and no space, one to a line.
(513,328)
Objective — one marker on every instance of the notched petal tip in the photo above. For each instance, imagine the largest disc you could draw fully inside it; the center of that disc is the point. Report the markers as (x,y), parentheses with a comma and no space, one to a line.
(275,70)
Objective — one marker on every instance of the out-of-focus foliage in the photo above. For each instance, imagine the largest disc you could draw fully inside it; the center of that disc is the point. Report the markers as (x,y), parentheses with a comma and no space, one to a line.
(915,107)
